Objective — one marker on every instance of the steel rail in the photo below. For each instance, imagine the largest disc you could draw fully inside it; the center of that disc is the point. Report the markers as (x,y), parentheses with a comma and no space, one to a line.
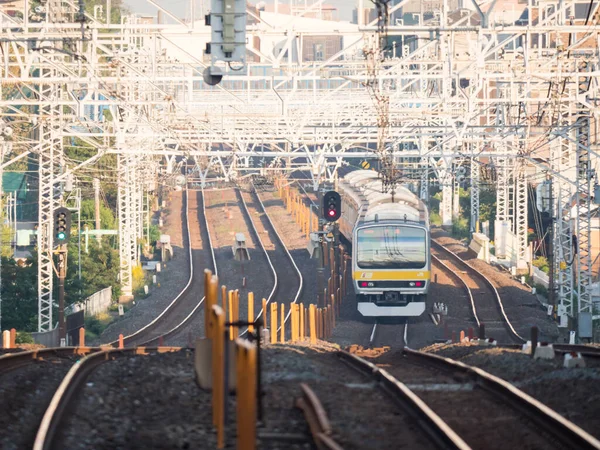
(214,266)
(262,246)
(12,361)
(184,290)
(467,288)
(69,386)
(373,336)
(440,433)
(562,429)
(301,285)
(511,329)
(317,420)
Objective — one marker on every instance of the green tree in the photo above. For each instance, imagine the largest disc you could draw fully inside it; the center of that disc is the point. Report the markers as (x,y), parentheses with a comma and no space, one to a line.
(19,295)
(99,270)
(88,215)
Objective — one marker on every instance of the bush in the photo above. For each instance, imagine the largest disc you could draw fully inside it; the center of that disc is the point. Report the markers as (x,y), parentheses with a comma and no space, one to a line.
(435,219)
(24,338)
(139,277)
(541,263)
(541,289)
(95,325)
(460,228)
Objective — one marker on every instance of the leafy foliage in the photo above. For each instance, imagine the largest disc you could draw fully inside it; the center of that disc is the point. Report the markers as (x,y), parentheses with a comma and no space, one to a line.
(88,215)
(99,270)
(19,295)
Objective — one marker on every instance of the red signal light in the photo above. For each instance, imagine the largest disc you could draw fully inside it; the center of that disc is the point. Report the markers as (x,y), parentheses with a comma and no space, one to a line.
(332,212)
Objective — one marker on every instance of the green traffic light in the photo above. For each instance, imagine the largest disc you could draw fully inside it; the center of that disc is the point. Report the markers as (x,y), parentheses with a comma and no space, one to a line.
(61,236)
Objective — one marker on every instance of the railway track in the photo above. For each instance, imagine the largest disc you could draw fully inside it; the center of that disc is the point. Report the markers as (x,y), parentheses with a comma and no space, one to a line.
(288,269)
(439,433)
(65,396)
(486,411)
(486,303)
(28,380)
(389,335)
(187,305)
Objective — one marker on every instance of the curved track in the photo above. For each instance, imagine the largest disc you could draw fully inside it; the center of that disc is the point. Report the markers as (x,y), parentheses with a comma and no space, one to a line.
(497,414)
(65,395)
(188,303)
(281,247)
(487,306)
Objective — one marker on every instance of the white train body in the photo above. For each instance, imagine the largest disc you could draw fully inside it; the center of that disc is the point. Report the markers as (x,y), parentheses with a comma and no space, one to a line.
(391,262)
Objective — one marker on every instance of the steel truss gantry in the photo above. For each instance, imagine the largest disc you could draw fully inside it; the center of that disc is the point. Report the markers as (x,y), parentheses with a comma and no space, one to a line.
(456,90)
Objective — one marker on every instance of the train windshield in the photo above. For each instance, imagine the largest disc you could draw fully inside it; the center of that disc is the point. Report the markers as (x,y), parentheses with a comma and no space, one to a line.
(391,247)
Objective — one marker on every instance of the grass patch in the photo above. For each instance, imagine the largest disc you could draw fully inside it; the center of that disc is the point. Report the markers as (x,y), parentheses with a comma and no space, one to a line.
(95,325)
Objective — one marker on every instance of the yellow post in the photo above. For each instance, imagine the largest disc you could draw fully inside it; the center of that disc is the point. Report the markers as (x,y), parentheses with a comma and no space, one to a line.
(282,337)
(302,329)
(231,310)
(250,311)
(312,323)
(274,323)
(236,312)
(13,338)
(264,310)
(293,322)
(212,299)
(82,337)
(333,306)
(218,373)
(246,395)
(207,277)
(326,322)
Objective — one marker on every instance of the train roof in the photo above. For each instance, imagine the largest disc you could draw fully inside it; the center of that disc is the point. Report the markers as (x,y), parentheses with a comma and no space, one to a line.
(364,187)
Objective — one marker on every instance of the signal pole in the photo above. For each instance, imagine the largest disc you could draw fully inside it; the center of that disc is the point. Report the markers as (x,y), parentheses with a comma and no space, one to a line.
(62,273)
(62,231)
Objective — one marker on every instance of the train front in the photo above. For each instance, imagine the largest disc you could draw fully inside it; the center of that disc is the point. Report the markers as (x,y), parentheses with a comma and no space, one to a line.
(391,268)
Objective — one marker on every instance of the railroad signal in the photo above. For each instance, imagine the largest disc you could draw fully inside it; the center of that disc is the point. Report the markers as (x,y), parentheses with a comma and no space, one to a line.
(62,225)
(332,206)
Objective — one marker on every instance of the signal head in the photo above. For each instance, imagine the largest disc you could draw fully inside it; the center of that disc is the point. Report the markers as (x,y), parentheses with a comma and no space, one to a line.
(332,206)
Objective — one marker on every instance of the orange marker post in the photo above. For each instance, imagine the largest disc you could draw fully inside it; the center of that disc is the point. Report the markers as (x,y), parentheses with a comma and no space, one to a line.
(246,395)
(13,338)
(82,337)
(312,323)
(120,341)
(302,324)
(218,373)
(293,322)
(251,311)
(236,312)
(282,337)
(207,277)
(231,311)
(274,323)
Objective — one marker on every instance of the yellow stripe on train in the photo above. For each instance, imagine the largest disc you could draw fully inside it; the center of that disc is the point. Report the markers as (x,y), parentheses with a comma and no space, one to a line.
(392,275)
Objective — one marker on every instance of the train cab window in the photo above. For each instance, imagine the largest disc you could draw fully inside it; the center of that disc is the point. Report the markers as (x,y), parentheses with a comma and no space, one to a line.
(391,247)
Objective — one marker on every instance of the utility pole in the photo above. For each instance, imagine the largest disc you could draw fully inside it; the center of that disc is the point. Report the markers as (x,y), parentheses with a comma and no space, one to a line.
(321,268)
(551,291)
(97,207)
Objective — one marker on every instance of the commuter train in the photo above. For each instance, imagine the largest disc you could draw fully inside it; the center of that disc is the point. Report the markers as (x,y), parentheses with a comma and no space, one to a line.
(391,262)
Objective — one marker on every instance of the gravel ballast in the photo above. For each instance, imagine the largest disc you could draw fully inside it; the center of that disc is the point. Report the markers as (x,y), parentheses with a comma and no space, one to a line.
(573,393)
(521,306)
(172,278)
(25,394)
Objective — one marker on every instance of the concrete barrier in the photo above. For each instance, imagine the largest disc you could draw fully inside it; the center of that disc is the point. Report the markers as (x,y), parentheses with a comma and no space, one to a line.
(480,244)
